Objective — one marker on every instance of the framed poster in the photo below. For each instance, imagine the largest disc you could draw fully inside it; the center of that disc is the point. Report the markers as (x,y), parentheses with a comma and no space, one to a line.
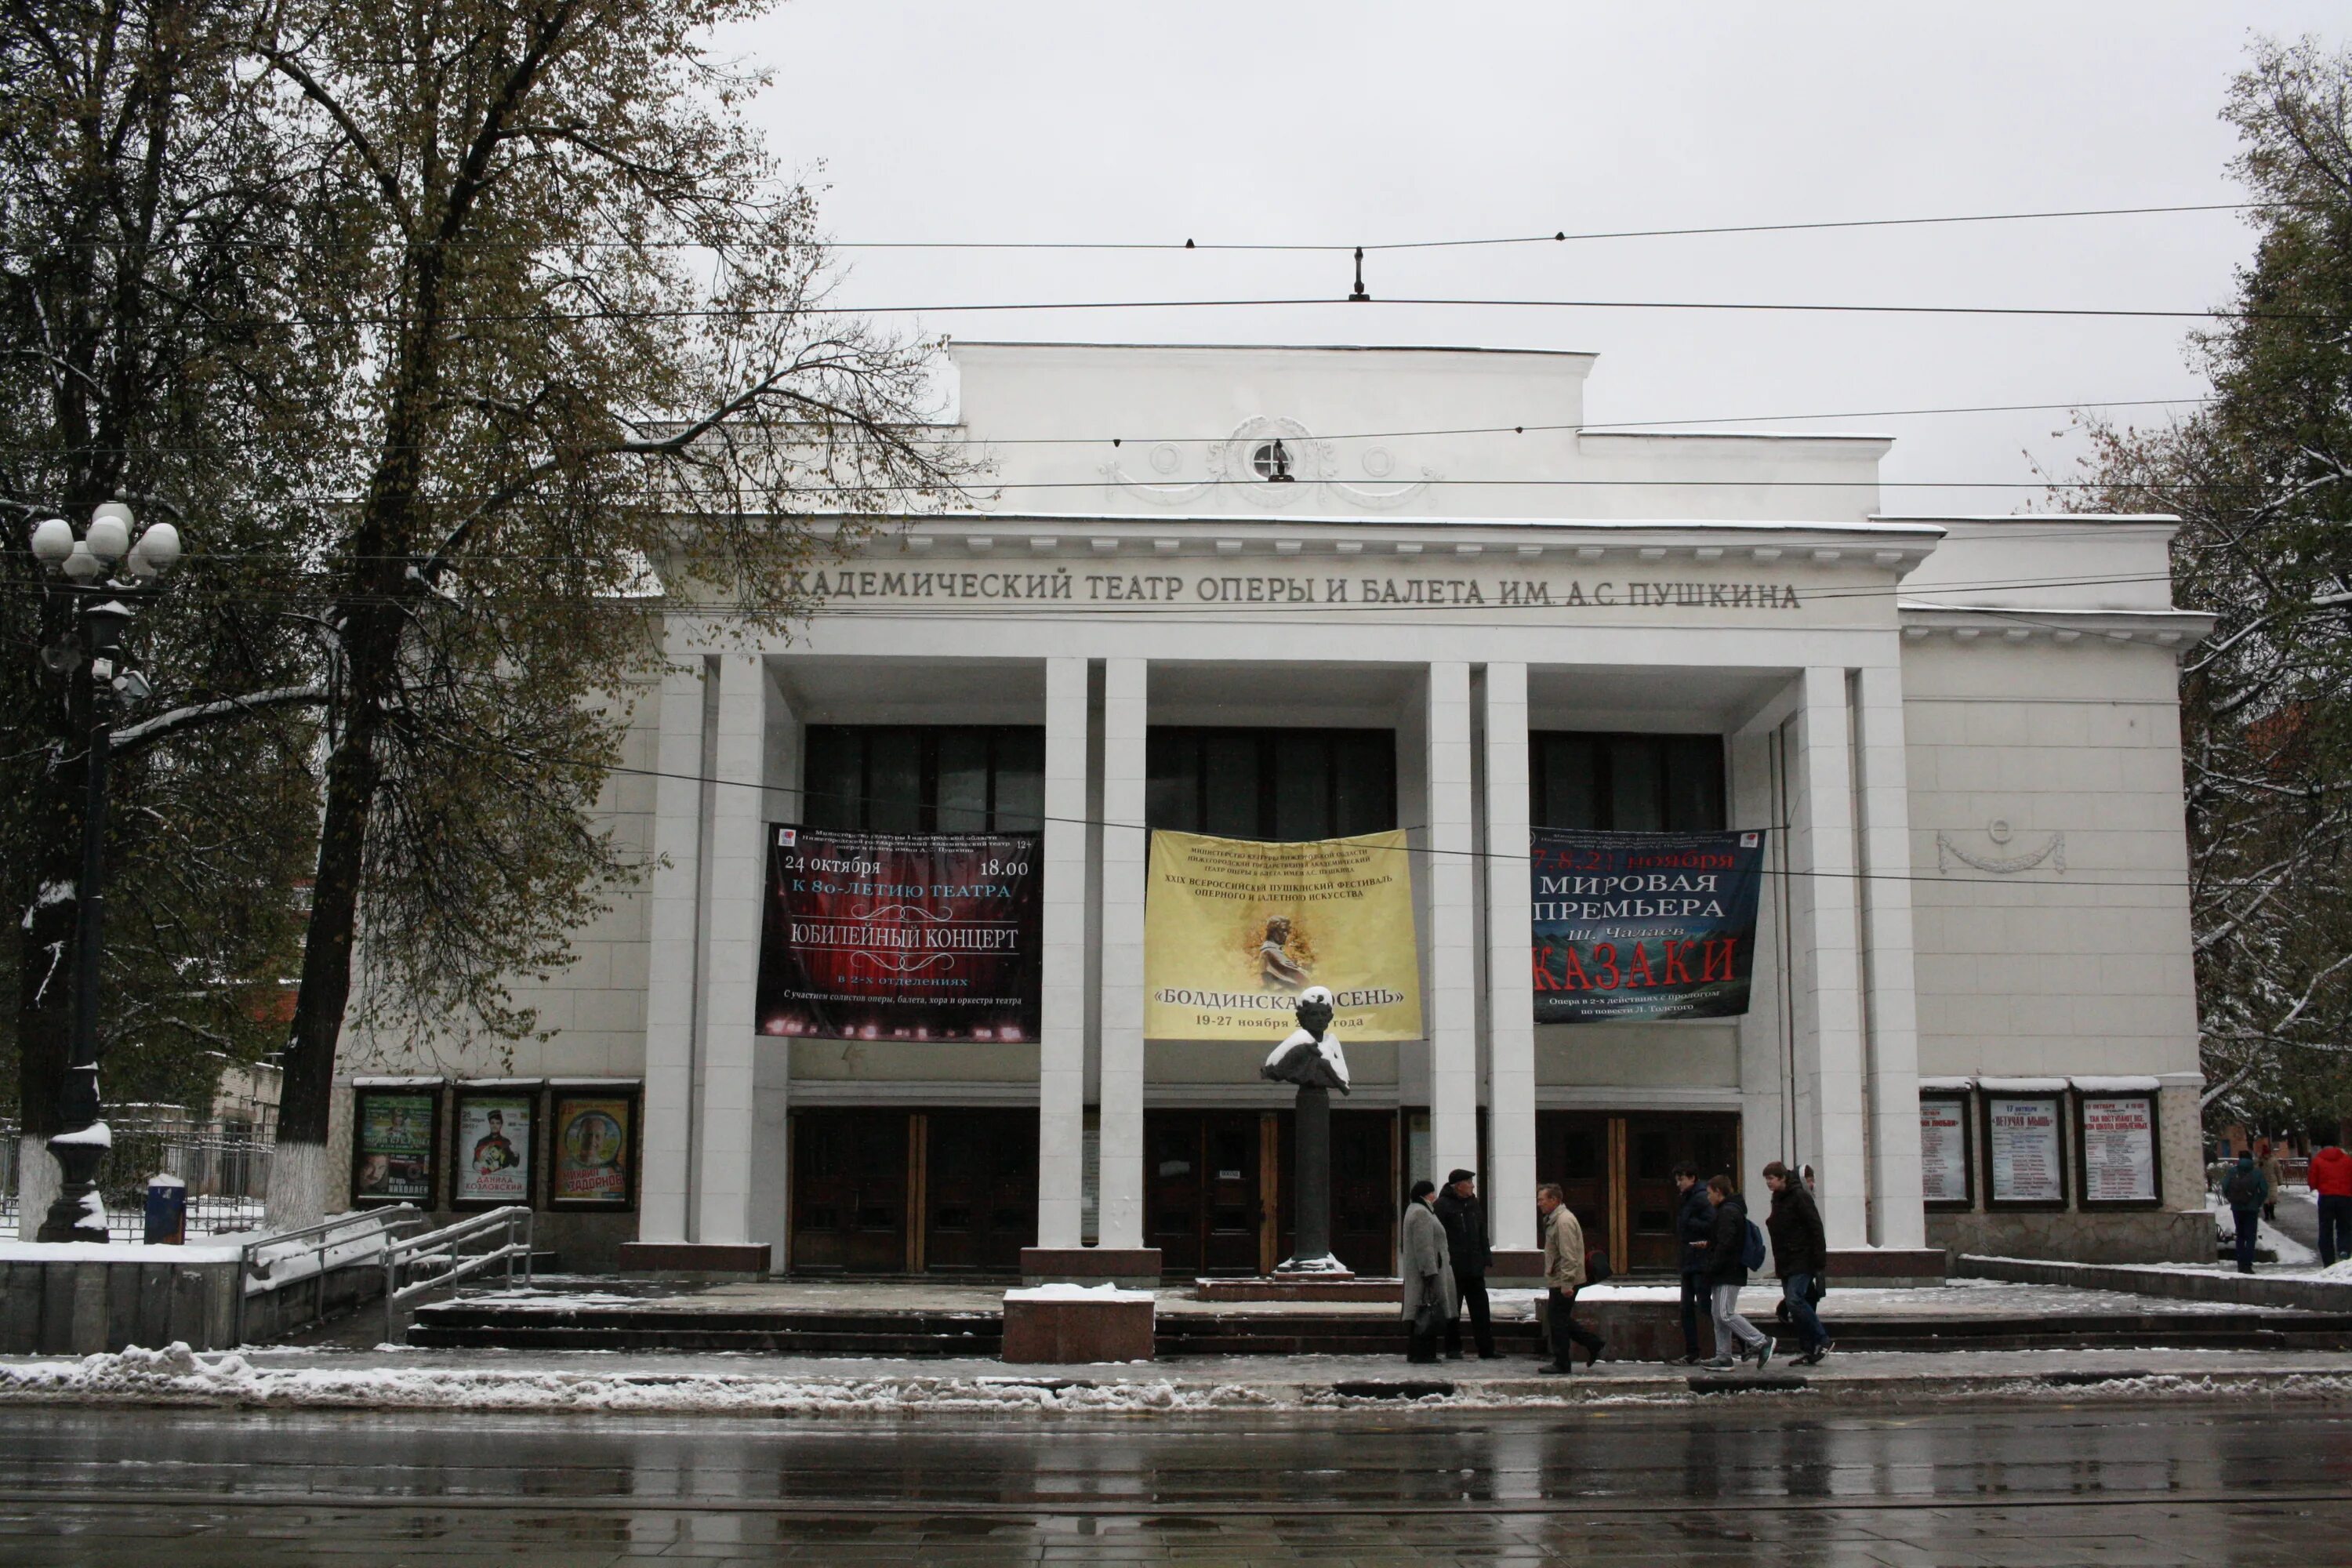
(492,1158)
(2025,1163)
(593,1150)
(2115,1151)
(392,1145)
(1947,1174)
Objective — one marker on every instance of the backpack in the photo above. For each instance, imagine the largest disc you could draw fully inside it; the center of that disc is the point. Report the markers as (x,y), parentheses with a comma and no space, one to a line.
(2239,1188)
(1752,1256)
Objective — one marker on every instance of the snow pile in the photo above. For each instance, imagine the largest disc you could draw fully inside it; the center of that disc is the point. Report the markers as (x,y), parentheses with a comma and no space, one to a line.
(177,1376)
(1065,1292)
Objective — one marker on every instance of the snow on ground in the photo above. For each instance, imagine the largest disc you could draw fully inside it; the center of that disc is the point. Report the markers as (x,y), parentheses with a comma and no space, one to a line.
(2289,1252)
(556,1385)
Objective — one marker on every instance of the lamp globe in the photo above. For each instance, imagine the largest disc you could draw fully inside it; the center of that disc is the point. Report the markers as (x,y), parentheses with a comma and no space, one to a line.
(53,540)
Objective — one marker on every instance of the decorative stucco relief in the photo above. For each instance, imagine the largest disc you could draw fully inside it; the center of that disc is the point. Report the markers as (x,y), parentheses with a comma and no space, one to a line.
(2053,853)
(1230,464)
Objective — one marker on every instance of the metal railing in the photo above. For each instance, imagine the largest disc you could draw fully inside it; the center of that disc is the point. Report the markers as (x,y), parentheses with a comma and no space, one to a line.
(438,1258)
(226,1166)
(271,1264)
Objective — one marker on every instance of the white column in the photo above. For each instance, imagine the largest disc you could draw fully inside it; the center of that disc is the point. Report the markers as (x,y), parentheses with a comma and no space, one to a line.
(731,914)
(1451,1004)
(673,904)
(1898,1217)
(1062,1044)
(1124,845)
(1510,985)
(1829,1063)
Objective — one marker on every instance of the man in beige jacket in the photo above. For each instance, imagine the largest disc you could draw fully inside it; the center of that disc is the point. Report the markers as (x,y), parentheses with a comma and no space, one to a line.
(1563,1248)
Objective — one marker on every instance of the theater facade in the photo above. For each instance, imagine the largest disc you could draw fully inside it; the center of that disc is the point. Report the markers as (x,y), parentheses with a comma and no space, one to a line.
(1406,598)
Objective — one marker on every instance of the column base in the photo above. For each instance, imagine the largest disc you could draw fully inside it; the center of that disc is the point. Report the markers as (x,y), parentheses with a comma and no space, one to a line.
(694,1257)
(1888,1266)
(1137,1267)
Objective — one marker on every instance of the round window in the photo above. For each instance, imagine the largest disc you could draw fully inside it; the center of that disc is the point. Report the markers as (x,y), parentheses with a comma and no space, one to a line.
(1271,461)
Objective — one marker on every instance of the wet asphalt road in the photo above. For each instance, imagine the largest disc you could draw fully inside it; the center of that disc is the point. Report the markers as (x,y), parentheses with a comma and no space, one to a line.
(1745,1481)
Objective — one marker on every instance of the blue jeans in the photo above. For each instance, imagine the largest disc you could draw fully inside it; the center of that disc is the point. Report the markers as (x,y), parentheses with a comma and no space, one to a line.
(1797,1290)
(2249,1224)
(2335,1227)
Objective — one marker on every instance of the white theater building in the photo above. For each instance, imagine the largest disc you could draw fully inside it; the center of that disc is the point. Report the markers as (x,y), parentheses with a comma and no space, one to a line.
(1315,592)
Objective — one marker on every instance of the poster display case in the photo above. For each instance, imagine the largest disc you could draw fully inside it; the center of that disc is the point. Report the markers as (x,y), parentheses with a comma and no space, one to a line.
(592,1147)
(494,1154)
(2116,1150)
(394,1128)
(2024,1145)
(1948,1175)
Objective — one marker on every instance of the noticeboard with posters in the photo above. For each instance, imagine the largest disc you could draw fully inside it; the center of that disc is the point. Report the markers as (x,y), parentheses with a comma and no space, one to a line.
(592,1146)
(393,1133)
(1947,1153)
(2024,1142)
(491,1159)
(2115,1151)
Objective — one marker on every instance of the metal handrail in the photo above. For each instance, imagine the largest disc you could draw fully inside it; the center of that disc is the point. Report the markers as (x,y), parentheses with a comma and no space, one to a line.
(253,1273)
(442,1247)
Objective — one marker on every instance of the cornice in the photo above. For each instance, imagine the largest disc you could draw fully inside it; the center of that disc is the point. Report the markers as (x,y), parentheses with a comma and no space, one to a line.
(1989,624)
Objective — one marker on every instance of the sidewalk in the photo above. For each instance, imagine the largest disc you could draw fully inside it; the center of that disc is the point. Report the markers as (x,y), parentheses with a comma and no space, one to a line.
(738,1383)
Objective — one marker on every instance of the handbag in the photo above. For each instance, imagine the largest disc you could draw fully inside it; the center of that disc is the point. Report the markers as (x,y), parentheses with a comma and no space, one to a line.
(1596,1267)
(1428,1318)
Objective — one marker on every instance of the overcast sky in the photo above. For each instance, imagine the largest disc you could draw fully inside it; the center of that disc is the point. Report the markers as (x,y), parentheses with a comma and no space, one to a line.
(1358,123)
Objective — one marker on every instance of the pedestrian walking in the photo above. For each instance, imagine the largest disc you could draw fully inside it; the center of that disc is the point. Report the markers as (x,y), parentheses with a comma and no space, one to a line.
(1459,1209)
(1429,1299)
(1800,1257)
(2273,1175)
(2331,1178)
(1693,1221)
(1727,1247)
(1563,1250)
(2243,1190)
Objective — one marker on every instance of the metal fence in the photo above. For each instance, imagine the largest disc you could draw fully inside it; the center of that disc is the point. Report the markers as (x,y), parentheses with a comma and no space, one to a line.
(225,1165)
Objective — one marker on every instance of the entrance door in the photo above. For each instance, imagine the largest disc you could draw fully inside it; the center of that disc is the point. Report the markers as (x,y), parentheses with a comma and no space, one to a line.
(1203,1182)
(1572,1148)
(1655,1144)
(849,1191)
(980,1198)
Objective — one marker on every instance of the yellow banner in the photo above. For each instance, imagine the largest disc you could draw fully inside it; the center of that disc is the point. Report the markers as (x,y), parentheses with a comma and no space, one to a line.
(1234,930)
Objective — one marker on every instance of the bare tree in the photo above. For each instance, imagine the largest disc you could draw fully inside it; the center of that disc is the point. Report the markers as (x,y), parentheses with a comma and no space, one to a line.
(593,347)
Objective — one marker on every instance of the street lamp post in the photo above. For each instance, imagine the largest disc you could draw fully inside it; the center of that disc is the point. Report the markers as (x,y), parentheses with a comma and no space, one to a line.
(92,653)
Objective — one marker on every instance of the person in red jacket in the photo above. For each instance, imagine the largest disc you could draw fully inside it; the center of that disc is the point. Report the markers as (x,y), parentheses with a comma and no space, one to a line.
(2331,1178)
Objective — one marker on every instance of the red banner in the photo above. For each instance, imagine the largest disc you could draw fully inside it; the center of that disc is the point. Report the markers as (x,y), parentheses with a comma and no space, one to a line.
(900,936)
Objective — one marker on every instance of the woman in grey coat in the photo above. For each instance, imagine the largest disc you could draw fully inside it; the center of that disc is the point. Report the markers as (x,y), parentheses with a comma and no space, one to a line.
(1428,1270)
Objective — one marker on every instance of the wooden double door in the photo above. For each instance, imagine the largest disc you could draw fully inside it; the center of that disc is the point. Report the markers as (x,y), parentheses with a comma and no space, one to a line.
(1220,1190)
(1617,1171)
(913,1192)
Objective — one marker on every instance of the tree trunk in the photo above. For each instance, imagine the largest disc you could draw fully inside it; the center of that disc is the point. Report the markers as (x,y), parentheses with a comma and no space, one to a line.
(301,1182)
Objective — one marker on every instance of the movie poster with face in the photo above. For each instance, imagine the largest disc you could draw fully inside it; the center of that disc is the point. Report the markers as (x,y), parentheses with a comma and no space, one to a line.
(493,1149)
(591,1146)
(921,937)
(1644,925)
(393,1146)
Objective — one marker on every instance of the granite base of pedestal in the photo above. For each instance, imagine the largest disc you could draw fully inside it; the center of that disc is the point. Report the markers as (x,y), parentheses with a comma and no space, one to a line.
(1517,1264)
(1135,1266)
(1070,1329)
(1888,1268)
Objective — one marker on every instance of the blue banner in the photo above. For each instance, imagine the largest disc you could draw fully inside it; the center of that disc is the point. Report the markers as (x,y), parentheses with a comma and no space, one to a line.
(1644,925)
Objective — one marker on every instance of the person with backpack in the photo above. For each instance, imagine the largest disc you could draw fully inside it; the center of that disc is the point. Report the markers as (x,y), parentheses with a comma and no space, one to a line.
(1733,1246)
(1693,1222)
(2331,1180)
(1800,1257)
(2245,1190)
(1564,1275)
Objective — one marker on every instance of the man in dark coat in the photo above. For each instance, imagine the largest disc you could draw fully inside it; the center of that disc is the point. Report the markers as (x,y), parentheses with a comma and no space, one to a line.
(1694,1220)
(1801,1255)
(1727,1272)
(1465,1219)
(2245,1190)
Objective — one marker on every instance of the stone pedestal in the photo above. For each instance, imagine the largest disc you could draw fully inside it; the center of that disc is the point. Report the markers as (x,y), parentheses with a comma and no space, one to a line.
(1517,1264)
(1070,1324)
